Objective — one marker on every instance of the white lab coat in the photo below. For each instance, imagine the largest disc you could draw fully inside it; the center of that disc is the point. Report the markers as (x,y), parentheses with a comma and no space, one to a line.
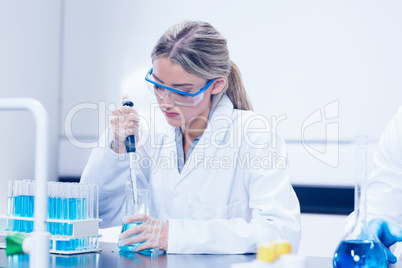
(384,193)
(384,187)
(226,199)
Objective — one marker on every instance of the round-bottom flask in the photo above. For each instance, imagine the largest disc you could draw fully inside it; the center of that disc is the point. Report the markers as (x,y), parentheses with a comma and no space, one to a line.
(360,247)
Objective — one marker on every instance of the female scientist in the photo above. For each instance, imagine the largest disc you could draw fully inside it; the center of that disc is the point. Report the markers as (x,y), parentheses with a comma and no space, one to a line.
(218,178)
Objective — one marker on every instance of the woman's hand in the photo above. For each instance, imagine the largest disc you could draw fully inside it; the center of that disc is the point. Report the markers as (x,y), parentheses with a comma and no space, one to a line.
(124,122)
(389,233)
(152,232)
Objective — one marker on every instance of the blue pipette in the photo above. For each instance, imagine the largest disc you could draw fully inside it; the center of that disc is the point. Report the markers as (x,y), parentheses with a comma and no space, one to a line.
(130,148)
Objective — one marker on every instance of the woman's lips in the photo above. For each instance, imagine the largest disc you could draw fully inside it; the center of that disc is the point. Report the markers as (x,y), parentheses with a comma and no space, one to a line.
(170,114)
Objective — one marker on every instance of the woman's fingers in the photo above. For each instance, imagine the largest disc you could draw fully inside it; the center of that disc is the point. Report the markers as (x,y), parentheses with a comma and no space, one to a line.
(135,239)
(136,217)
(146,245)
(141,228)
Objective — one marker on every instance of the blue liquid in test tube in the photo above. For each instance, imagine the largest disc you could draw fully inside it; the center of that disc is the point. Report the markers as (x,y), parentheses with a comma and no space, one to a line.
(30,205)
(65,216)
(52,190)
(17,205)
(84,208)
(59,213)
(30,213)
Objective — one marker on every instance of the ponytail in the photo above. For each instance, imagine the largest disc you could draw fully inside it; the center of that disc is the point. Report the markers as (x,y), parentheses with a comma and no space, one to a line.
(235,90)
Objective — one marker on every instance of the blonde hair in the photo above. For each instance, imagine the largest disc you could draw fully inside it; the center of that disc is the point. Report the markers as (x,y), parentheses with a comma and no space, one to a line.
(201,50)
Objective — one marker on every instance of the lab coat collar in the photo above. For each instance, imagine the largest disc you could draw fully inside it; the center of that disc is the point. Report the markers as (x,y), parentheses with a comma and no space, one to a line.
(217,130)
(219,123)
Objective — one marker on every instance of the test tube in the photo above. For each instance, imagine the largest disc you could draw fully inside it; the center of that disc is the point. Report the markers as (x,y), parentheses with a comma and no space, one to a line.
(30,204)
(10,205)
(85,197)
(10,198)
(65,187)
(93,199)
(17,207)
(79,201)
(24,205)
(72,201)
(58,208)
(17,204)
(52,190)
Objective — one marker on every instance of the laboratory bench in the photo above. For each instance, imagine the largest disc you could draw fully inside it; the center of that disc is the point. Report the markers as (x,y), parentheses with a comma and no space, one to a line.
(112,257)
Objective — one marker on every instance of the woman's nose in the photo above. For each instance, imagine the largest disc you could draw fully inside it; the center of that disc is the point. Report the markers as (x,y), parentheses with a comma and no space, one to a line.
(167,101)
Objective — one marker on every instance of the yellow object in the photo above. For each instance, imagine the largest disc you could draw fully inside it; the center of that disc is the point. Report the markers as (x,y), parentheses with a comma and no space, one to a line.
(269,252)
(282,247)
(266,252)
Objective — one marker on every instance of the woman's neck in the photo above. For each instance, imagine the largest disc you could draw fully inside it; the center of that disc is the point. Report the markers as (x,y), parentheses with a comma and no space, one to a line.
(195,127)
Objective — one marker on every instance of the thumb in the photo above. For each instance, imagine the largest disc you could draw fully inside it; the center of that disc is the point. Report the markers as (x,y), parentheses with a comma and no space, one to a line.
(388,232)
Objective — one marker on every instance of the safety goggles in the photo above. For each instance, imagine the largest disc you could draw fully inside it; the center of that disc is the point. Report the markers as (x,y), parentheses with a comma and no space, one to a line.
(184,97)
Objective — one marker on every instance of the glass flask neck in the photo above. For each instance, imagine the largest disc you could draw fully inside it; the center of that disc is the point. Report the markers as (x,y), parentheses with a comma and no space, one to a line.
(361,178)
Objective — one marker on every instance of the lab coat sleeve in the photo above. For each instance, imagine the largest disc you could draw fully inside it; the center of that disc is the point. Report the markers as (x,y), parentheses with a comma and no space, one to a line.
(110,171)
(275,215)
(384,192)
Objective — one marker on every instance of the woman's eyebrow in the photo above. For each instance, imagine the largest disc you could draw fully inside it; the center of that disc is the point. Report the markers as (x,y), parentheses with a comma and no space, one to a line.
(160,81)
(174,85)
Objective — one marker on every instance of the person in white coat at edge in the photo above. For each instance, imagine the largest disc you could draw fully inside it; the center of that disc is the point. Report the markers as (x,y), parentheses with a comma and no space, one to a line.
(384,187)
(219,195)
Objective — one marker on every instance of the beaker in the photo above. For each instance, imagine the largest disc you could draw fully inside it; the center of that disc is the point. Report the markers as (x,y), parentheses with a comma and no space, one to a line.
(360,247)
(136,203)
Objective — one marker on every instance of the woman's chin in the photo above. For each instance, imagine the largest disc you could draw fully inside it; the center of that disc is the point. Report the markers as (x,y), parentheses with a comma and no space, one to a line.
(173,121)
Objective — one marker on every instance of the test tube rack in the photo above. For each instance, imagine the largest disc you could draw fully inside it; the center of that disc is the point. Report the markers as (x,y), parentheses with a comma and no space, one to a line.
(73,221)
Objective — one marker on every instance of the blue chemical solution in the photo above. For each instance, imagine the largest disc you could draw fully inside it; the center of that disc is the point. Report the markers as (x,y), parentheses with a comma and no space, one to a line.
(72,214)
(17,212)
(72,208)
(59,213)
(84,208)
(356,253)
(30,212)
(65,216)
(79,206)
(51,226)
(18,205)
(24,213)
(134,246)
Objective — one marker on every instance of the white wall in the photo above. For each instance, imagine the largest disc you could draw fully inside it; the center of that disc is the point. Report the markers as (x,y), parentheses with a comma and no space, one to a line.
(296,57)
(29,67)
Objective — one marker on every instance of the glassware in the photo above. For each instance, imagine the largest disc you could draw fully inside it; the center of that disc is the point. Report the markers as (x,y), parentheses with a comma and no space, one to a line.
(360,247)
(136,202)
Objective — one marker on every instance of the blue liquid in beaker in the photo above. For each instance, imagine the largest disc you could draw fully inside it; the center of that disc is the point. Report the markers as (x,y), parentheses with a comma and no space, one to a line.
(357,253)
(134,246)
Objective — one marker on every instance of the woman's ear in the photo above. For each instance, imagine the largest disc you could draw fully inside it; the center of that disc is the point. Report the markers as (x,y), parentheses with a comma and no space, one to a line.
(218,85)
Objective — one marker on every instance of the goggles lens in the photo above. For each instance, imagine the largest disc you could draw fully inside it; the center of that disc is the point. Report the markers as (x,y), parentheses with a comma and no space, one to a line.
(190,97)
